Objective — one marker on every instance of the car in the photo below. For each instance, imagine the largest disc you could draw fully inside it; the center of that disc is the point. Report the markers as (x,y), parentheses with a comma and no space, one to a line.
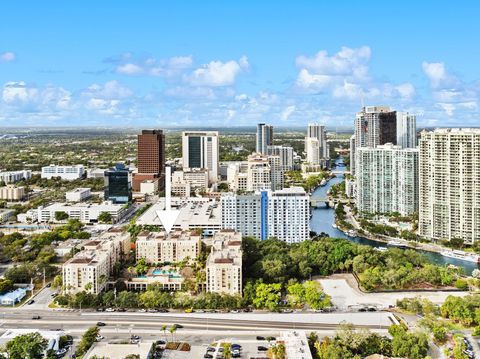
(371,309)
(163,310)
(110,310)
(261,348)
(152,310)
(36,317)
(99,337)
(220,350)
(235,351)
(178,326)
(49,285)
(53,295)
(211,349)
(271,339)
(30,302)
(61,352)
(121,310)
(100,309)
(100,324)
(287,310)
(207,355)
(199,311)
(142,311)
(259,337)
(235,355)
(362,310)
(135,337)
(189,310)
(234,311)
(236,347)
(134,341)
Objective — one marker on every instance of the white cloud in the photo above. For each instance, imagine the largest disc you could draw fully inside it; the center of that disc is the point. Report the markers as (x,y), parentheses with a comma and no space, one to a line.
(7,56)
(109,90)
(346,62)
(129,69)
(287,112)
(217,73)
(438,75)
(18,92)
(127,64)
(406,90)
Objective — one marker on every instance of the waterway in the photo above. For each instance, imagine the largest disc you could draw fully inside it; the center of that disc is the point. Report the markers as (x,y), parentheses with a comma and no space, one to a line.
(323,218)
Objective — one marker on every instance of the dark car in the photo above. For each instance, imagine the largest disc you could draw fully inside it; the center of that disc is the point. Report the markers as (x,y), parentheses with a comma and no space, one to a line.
(121,310)
(135,337)
(262,348)
(100,309)
(236,346)
(208,355)
(31,301)
(36,317)
(210,349)
(178,326)
(259,337)
(100,324)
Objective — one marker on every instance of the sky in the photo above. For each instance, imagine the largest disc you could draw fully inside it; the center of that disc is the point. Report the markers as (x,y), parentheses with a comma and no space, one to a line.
(236,63)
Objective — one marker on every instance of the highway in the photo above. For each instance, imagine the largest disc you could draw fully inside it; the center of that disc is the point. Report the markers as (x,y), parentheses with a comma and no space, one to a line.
(66,320)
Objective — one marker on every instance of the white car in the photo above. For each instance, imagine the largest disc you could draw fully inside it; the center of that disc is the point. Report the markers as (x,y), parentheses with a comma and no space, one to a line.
(110,310)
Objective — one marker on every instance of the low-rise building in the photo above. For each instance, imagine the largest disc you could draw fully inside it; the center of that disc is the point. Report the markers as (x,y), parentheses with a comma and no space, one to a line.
(224,264)
(160,247)
(86,213)
(96,172)
(28,217)
(181,189)
(149,186)
(12,193)
(78,194)
(5,214)
(68,173)
(196,177)
(90,269)
(15,176)
(195,213)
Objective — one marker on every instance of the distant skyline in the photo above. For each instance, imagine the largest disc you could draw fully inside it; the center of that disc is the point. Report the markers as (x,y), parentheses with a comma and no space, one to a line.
(211,63)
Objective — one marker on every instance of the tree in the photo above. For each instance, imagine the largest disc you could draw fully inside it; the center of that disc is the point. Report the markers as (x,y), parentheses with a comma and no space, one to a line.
(87,340)
(26,346)
(57,281)
(164,330)
(132,356)
(6,285)
(267,295)
(61,216)
(105,217)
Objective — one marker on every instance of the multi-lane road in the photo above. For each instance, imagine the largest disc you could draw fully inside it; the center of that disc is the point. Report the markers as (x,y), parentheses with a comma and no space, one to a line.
(66,320)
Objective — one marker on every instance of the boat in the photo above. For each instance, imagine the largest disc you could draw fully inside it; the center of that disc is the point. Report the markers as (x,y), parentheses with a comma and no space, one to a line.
(323,182)
(461,255)
(351,233)
(334,225)
(381,249)
(397,244)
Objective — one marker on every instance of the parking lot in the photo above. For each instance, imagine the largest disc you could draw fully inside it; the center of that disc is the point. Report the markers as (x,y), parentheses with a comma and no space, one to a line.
(249,348)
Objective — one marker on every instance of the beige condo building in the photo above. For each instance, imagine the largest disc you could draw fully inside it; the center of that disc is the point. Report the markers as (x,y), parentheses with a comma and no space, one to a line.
(450,184)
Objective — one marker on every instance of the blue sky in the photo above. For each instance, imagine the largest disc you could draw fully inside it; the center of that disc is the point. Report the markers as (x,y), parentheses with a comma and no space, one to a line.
(164,63)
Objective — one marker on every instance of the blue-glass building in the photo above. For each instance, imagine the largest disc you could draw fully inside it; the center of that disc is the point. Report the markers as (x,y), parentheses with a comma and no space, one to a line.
(118,186)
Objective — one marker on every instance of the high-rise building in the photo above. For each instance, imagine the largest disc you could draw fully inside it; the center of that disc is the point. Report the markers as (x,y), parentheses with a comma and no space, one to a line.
(352,155)
(450,184)
(375,125)
(264,138)
(386,179)
(316,146)
(406,130)
(150,158)
(286,156)
(118,188)
(312,149)
(200,149)
(283,214)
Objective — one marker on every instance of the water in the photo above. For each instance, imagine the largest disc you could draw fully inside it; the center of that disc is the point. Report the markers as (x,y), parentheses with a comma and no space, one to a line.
(323,218)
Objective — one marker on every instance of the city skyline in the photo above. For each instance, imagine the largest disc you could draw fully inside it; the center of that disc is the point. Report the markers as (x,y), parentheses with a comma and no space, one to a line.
(292,64)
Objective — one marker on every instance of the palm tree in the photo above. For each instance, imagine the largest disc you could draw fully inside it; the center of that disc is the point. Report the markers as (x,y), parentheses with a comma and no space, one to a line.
(173,329)
(164,329)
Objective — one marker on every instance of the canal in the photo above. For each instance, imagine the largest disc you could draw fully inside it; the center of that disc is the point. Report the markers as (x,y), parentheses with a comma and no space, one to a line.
(323,218)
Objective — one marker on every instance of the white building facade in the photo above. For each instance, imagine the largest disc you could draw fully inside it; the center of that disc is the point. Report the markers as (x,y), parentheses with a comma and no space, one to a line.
(200,149)
(386,179)
(68,173)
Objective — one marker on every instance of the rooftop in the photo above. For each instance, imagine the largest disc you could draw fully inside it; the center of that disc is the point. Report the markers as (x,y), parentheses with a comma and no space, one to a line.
(194,213)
